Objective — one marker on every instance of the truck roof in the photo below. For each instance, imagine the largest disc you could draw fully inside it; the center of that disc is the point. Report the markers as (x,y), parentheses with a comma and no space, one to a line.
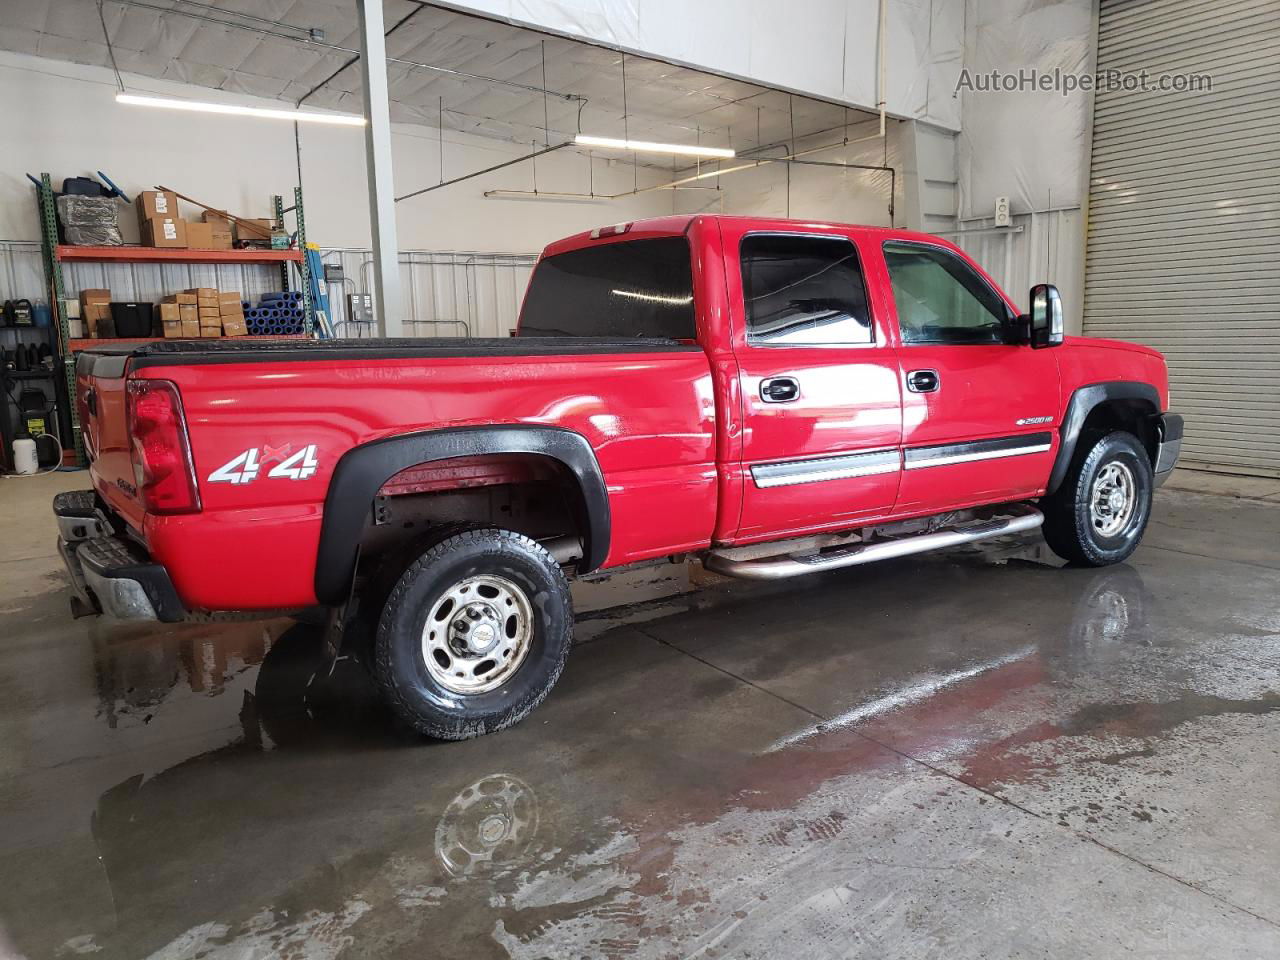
(676,225)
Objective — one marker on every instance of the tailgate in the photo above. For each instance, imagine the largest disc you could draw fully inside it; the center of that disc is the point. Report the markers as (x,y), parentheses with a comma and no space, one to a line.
(100,398)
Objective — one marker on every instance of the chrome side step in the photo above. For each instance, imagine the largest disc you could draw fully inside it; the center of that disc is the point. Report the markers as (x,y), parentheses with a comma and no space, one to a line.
(1016,518)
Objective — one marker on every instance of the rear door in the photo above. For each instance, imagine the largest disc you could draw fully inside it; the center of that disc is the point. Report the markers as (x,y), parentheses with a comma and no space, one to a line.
(822,409)
(979,413)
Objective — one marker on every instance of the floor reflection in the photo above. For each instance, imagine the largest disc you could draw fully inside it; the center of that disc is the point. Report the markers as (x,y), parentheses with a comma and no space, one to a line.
(725,754)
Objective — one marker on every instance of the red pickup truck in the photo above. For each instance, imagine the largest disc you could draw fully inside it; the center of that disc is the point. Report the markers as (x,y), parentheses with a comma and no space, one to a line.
(774,397)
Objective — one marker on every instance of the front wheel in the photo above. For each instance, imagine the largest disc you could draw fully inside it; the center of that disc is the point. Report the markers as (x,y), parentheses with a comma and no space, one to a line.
(1098,515)
(474,633)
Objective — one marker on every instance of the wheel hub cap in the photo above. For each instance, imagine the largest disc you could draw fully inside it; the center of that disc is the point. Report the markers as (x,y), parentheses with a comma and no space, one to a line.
(477,634)
(1113,500)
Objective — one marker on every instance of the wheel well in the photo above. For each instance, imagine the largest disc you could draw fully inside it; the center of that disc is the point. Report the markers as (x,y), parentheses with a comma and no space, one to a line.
(529,493)
(1133,415)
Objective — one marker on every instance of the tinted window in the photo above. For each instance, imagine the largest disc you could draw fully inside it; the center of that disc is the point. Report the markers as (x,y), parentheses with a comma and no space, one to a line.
(940,299)
(803,290)
(636,288)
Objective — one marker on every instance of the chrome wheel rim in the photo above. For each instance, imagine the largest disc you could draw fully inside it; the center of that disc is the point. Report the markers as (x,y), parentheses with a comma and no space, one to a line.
(1113,500)
(488,824)
(477,634)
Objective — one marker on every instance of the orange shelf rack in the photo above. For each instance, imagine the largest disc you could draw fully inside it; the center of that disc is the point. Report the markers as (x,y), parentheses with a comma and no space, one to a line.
(132,254)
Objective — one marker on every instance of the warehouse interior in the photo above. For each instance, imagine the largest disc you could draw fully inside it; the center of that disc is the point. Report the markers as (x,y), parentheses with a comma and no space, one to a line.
(977,751)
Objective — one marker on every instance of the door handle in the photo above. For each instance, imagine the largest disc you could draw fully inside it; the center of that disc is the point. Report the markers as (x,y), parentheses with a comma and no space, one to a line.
(922,381)
(779,389)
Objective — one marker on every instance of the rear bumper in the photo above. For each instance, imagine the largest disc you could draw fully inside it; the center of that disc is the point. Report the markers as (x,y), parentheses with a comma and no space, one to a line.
(1169,447)
(109,573)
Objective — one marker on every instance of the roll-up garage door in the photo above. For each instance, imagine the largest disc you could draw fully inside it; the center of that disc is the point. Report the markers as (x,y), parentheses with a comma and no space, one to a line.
(1184,215)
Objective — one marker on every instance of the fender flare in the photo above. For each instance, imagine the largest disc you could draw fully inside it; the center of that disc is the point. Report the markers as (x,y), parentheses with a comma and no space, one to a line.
(362,471)
(1082,403)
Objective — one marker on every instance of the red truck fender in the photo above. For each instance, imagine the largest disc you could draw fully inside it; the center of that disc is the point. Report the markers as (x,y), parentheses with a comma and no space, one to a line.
(362,471)
(1141,400)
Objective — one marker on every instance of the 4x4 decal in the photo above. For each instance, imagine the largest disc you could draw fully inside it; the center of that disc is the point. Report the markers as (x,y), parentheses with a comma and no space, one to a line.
(245,467)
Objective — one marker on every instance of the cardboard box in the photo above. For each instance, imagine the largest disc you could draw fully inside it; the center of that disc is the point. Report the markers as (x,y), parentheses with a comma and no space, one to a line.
(95,312)
(156,203)
(209,303)
(211,331)
(188,312)
(220,224)
(190,330)
(169,313)
(254,229)
(199,235)
(234,327)
(164,232)
(98,320)
(206,292)
(184,299)
(230,295)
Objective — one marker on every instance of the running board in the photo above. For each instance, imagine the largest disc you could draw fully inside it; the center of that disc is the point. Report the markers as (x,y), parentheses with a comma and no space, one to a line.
(1017,519)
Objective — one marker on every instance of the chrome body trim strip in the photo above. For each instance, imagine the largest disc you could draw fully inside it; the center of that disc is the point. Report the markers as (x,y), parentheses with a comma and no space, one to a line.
(916,458)
(792,472)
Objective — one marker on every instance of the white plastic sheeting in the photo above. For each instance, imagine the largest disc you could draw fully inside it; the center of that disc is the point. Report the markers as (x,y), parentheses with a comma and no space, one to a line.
(825,48)
(1027,145)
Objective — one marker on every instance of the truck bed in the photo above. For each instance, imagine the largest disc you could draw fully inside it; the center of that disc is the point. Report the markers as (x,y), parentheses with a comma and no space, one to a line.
(645,406)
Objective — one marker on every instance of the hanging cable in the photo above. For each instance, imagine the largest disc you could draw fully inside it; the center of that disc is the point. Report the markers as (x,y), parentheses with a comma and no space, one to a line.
(102,17)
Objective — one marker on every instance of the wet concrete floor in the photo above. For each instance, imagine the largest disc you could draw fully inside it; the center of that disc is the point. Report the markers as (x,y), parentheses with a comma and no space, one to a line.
(975,754)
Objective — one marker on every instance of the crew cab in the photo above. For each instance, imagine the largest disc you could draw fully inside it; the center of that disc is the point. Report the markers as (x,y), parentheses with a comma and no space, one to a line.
(773,397)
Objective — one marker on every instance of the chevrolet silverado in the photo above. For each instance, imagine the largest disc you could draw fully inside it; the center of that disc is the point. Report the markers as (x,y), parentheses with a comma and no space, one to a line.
(772,397)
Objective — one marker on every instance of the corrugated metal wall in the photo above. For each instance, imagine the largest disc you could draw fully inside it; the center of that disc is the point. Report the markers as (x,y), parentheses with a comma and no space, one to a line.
(446,294)
(1184,217)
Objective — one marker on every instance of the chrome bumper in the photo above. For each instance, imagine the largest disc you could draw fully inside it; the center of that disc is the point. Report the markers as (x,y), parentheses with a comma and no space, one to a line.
(1169,447)
(109,574)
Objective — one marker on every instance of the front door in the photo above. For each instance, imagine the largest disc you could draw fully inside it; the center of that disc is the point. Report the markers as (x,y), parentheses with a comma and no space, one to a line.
(820,386)
(979,413)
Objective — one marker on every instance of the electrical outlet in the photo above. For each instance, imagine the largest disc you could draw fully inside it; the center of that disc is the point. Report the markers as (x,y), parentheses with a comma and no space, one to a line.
(360,307)
(1002,212)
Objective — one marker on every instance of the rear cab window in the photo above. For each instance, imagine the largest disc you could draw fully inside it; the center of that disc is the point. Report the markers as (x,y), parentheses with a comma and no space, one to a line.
(632,288)
(801,290)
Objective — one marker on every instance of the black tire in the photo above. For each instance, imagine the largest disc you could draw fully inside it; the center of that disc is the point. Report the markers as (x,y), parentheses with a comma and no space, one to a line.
(1071,529)
(412,687)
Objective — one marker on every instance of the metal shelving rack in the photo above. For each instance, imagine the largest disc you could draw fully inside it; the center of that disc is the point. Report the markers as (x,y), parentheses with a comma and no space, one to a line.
(54,254)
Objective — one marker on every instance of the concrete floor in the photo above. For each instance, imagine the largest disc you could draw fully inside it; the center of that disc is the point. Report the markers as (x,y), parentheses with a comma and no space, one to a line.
(967,755)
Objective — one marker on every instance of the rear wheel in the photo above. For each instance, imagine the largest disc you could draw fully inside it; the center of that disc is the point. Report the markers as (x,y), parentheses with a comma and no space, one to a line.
(1098,515)
(474,633)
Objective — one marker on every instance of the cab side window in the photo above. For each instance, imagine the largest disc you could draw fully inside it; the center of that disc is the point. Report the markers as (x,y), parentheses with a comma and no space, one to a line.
(804,291)
(940,299)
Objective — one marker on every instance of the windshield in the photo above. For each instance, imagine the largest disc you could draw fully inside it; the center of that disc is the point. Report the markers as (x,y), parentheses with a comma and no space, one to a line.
(636,288)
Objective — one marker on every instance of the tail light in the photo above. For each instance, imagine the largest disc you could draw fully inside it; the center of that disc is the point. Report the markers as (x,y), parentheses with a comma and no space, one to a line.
(162,465)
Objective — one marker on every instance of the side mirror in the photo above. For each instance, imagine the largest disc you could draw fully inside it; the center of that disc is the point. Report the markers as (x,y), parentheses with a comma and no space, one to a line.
(1044,322)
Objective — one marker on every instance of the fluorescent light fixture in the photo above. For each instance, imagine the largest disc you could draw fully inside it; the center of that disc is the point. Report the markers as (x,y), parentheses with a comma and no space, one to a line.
(544,195)
(198,106)
(653,297)
(644,146)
